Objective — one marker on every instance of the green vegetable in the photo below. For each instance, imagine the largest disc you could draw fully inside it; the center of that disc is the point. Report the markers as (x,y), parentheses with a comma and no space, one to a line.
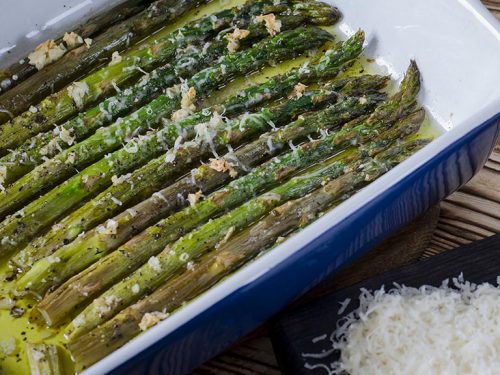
(89,215)
(155,50)
(116,265)
(48,144)
(97,243)
(155,238)
(44,359)
(44,211)
(211,268)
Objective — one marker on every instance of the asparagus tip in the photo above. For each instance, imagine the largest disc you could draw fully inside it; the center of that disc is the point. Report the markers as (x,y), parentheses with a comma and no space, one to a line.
(410,85)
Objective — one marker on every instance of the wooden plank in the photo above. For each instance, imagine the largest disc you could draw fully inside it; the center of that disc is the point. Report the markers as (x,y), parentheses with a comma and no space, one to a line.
(466,227)
(484,184)
(453,211)
(479,204)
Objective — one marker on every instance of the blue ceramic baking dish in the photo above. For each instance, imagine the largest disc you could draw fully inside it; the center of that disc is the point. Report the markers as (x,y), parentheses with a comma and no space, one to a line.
(456,44)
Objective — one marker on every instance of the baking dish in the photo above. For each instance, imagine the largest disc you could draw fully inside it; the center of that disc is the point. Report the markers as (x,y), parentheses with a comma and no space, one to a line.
(457,47)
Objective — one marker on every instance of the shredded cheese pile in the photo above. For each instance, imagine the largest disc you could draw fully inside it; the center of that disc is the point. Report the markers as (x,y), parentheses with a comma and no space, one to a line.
(428,330)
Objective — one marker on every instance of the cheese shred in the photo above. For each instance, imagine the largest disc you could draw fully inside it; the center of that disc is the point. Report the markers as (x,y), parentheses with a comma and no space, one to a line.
(430,330)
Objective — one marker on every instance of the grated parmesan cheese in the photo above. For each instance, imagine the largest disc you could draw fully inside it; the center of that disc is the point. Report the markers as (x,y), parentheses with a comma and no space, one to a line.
(72,39)
(151,319)
(193,198)
(116,58)
(234,38)
(106,304)
(273,25)
(136,288)
(132,212)
(120,180)
(66,136)
(429,330)
(77,91)
(110,228)
(53,259)
(46,53)
(155,264)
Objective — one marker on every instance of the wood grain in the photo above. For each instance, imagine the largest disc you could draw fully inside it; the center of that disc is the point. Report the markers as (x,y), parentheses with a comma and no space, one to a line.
(469,215)
(473,212)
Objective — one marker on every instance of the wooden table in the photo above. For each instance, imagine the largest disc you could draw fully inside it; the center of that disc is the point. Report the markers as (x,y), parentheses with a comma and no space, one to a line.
(470,214)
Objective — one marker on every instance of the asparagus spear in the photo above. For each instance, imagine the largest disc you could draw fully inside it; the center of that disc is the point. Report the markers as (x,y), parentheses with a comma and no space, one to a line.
(155,238)
(96,244)
(176,255)
(326,67)
(42,212)
(77,62)
(220,262)
(44,359)
(46,145)
(149,178)
(19,71)
(356,132)
(158,49)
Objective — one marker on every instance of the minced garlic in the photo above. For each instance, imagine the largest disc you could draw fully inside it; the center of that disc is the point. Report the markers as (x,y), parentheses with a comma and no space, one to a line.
(151,319)
(234,38)
(273,25)
(46,53)
(72,39)
(222,165)
(187,99)
(299,90)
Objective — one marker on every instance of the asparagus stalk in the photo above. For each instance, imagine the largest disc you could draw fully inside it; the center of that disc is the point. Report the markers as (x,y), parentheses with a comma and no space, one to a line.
(220,262)
(326,67)
(46,145)
(19,71)
(155,238)
(95,244)
(76,63)
(159,48)
(42,212)
(149,178)
(44,359)
(189,247)
(168,262)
